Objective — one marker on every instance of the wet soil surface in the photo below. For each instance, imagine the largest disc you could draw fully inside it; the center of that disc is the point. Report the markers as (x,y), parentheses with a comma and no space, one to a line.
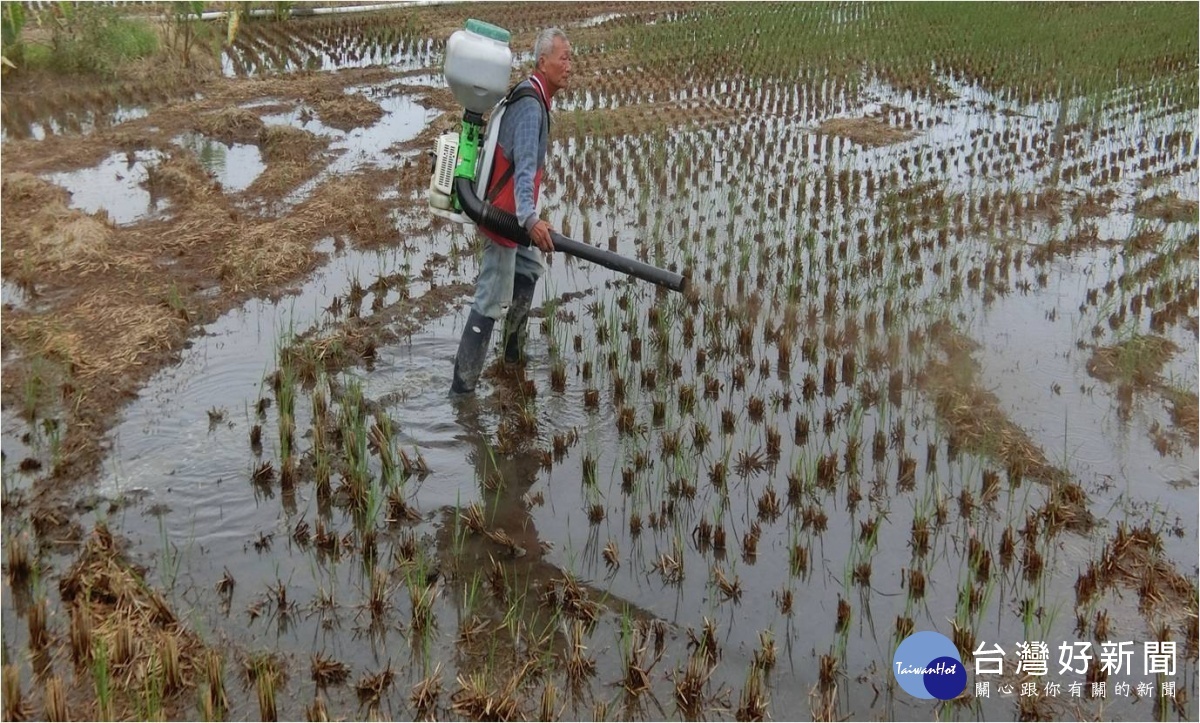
(943,378)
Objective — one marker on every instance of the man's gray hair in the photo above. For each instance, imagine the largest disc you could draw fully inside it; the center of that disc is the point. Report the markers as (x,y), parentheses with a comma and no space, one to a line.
(545,41)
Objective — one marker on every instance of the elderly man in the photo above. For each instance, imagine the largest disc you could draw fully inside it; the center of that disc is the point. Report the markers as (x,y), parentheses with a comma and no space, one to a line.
(509,272)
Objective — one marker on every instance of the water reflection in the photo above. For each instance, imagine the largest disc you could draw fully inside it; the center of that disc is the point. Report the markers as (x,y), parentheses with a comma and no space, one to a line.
(515,605)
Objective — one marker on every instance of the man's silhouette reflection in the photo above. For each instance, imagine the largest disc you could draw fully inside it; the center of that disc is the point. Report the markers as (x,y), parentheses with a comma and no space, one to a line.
(512,601)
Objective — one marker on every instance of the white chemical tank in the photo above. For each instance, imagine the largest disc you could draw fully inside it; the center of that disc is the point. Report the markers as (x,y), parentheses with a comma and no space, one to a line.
(478,65)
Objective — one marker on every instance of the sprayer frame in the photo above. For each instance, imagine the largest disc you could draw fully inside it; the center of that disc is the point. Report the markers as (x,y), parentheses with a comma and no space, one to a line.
(487,216)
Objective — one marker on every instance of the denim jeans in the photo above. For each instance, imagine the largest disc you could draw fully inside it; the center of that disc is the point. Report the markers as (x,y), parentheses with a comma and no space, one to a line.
(494,287)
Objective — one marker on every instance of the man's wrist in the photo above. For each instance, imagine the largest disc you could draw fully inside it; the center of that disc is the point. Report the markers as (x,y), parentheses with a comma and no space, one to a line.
(530,222)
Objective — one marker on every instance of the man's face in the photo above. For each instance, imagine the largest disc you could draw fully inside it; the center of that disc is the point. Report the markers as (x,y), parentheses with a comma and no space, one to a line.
(556,65)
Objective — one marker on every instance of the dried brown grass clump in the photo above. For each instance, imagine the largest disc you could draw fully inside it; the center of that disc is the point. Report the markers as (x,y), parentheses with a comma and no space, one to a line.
(182,178)
(1133,559)
(26,189)
(133,621)
(1135,365)
(426,692)
(100,336)
(288,144)
(290,156)
(347,111)
(15,706)
(1170,208)
(1185,412)
(54,702)
(372,688)
(979,425)
(327,671)
(231,125)
(1137,361)
(478,699)
(42,236)
(870,132)
(266,255)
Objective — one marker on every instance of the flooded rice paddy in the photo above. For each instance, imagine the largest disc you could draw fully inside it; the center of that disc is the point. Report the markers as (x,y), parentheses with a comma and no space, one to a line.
(938,372)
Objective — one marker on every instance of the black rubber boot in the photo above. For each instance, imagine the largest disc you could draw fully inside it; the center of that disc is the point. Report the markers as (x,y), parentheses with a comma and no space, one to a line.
(516,325)
(472,352)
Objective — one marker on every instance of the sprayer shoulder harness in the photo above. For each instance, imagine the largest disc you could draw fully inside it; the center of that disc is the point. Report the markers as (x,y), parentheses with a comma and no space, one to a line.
(518,92)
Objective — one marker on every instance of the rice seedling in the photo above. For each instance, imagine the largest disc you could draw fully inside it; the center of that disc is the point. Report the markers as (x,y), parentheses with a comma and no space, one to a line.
(54,701)
(372,688)
(14,700)
(750,542)
(81,635)
(214,702)
(425,693)
(752,704)
(39,634)
(611,555)
(265,672)
(578,665)
(124,646)
(764,656)
(690,683)
(548,709)
(317,711)
(478,699)
(20,562)
(170,663)
(326,671)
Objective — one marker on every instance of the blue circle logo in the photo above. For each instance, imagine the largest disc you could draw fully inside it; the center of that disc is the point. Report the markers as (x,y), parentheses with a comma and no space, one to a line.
(927,665)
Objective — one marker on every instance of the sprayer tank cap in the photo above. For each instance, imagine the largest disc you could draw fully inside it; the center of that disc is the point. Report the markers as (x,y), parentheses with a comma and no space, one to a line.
(488,30)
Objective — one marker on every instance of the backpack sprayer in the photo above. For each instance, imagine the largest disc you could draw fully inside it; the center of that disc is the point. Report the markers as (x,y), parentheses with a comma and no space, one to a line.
(478,65)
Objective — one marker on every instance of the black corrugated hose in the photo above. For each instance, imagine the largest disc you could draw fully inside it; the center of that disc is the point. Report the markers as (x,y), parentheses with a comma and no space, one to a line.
(506,224)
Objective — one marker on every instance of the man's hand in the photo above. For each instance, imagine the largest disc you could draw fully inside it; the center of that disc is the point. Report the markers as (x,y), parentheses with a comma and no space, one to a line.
(540,234)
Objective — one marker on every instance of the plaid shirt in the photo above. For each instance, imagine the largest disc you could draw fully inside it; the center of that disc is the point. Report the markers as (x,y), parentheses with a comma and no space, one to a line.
(524,134)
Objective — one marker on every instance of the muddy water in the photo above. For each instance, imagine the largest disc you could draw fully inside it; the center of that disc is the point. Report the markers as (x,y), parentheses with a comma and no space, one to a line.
(361,148)
(12,296)
(184,447)
(116,185)
(29,123)
(319,46)
(234,166)
(1041,376)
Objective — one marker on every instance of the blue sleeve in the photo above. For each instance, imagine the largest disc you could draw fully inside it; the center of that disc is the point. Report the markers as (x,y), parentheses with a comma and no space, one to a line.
(526,118)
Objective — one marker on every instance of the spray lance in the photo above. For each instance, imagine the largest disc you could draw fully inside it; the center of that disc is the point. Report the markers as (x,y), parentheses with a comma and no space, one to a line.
(478,65)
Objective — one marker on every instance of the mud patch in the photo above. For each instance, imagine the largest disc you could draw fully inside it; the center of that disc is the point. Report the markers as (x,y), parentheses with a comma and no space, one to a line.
(869,132)
(182,178)
(357,338)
